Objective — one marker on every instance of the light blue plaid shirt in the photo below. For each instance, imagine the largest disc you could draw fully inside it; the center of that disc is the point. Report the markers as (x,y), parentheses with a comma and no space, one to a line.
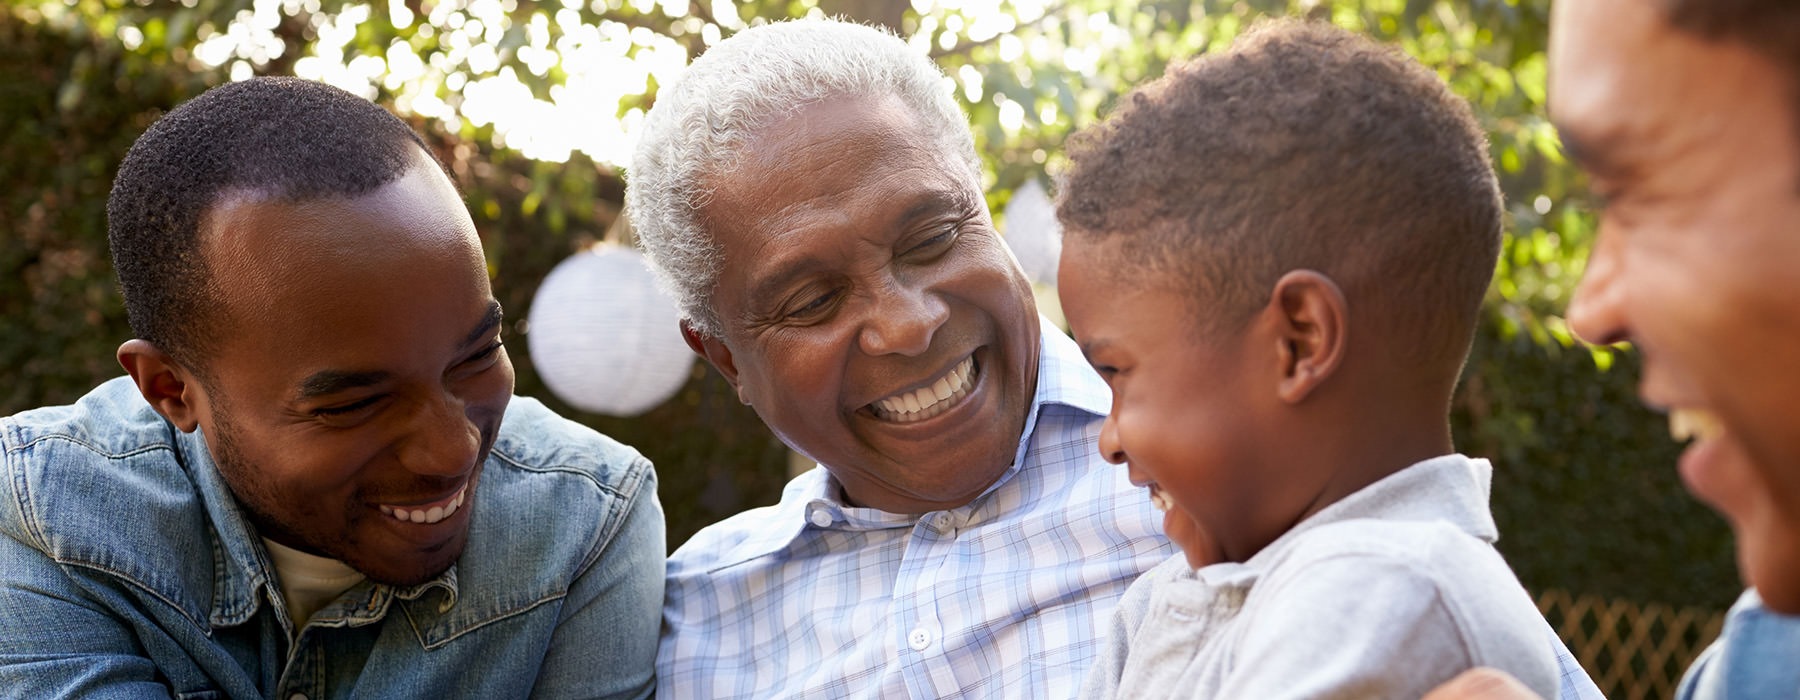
(1004,597)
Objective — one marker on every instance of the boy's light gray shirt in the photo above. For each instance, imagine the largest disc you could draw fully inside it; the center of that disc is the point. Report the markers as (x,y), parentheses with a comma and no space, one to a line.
(1385,594)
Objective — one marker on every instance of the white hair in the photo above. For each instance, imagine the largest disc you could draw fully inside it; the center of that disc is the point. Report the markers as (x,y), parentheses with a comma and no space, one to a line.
(697,126)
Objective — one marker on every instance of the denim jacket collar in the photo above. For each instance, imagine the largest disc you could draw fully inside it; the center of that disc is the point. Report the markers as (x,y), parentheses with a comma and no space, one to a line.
(243,574)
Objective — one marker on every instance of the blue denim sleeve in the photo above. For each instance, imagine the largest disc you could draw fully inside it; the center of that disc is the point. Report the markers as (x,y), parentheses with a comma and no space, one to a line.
(56,640)
(1752,658)
(605,644)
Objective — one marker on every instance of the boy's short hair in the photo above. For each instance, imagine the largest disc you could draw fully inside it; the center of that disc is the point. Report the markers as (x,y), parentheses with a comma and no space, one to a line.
(1303,147)
(284,138)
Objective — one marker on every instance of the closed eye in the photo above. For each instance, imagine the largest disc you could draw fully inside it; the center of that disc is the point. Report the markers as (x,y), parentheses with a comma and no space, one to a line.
(486,353)
(814,307)
(478,363)
(346,409)
(935,245)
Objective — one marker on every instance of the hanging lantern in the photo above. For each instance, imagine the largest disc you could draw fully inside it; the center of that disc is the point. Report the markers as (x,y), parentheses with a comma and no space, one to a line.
(1033,232)
(604,336)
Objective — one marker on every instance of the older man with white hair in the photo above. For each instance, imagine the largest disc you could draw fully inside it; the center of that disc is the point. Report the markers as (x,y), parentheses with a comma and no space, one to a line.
(810,189)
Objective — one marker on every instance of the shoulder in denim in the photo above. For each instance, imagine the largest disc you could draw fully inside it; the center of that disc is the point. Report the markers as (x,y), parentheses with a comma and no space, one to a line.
(553,495)
(100,484)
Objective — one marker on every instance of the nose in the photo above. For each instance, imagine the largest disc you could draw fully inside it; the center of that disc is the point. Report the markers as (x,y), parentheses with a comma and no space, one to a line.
(444,440)
(1111,449)
(1597,313)
(902,321)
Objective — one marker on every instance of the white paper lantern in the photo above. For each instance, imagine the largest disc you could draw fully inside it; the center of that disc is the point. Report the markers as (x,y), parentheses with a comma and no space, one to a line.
(1033,232)
(604,337)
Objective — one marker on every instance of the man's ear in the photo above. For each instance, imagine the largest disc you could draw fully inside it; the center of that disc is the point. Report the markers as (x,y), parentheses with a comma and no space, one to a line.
(169,388)
(718,354)
(1312,328)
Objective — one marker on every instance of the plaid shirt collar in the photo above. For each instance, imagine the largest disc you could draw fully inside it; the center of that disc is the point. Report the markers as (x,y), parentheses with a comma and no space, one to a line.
(1064,379)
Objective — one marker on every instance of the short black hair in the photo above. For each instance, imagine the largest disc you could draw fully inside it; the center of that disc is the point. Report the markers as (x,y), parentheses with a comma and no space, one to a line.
(1302,147)
(282,138)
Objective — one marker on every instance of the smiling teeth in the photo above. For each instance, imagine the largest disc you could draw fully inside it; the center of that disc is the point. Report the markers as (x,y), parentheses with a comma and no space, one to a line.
(934,399)
(1691,423)
(1160,499)
(426,516)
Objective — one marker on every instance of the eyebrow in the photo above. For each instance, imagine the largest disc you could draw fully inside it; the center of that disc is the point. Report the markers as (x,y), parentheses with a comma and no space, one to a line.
(490,320)
(331,381)
(1588,154)
(783,276)
(935,200)
(327,382)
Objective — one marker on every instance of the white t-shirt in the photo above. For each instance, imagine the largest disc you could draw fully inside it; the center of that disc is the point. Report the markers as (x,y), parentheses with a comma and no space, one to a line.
(308,582)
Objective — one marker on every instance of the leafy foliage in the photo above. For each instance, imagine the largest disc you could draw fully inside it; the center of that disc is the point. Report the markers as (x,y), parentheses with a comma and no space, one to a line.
(59,148)
(534,105)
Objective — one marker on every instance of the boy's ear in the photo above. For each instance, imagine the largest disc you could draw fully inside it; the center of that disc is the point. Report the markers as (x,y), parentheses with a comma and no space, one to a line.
(1312,326)
(716,353)
(168,387)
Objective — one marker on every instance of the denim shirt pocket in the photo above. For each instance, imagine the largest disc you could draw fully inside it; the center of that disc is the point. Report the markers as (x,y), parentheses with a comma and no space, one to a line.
(435,624)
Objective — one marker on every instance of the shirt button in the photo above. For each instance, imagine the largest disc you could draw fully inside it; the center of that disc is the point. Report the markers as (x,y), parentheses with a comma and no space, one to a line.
(938,524)
(919,639)
(820,518)
(297,696)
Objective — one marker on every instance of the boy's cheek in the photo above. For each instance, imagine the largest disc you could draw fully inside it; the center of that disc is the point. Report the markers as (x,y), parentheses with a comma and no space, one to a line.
(1194,540)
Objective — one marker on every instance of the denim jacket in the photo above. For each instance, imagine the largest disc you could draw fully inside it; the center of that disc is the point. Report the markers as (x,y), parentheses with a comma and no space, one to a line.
(127,569)
(1757,655)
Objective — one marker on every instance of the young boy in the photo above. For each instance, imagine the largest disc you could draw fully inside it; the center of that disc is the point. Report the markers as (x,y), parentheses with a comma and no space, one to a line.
(1276,258)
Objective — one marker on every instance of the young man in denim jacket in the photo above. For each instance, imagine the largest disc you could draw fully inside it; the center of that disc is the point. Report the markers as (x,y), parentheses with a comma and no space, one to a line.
(315,481)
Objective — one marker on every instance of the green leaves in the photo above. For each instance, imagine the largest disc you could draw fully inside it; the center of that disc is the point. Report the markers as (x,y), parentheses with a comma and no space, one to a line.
(553,78)
(533,105)
(1064,65)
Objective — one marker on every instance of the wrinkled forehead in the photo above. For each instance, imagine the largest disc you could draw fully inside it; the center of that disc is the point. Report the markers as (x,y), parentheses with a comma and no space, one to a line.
(849,129)
(822,163)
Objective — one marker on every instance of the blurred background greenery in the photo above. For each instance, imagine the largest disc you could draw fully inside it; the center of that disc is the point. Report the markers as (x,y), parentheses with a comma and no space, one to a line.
(534,105)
